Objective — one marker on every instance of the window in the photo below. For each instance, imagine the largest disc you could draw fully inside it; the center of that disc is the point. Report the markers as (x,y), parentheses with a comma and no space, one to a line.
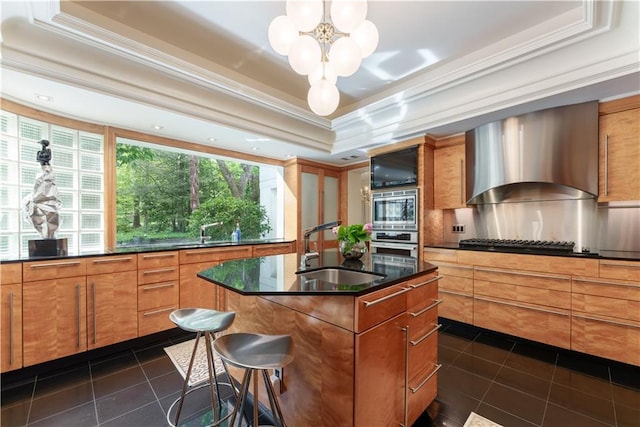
(77,163)
(164,194)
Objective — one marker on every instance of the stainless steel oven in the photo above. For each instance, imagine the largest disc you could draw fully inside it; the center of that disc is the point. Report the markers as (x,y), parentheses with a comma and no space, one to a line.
(395,210)
(395,243)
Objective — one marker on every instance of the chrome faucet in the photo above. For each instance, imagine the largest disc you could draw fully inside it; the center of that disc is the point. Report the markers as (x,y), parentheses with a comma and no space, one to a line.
(308,255)
(204,227)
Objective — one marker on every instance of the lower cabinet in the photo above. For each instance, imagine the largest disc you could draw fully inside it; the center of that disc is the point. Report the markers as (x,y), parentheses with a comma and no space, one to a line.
(54,318)
(158,291)
(11,318)
(456,291)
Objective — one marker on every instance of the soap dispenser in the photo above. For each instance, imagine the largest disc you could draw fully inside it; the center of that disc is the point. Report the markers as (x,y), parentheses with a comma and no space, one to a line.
(237,232)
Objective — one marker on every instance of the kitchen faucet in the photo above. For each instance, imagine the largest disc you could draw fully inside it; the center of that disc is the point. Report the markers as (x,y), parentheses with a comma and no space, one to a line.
(204,227)
(304,258)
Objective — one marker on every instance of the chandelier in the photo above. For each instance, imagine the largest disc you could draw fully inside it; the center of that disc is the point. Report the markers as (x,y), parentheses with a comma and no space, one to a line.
(324,47)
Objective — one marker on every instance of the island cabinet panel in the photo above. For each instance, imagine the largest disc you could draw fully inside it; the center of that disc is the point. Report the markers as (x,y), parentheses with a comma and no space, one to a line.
(606,318)
(54,318)
(196,292)
(11,318)
(158,290)
(455,290)
(376,307)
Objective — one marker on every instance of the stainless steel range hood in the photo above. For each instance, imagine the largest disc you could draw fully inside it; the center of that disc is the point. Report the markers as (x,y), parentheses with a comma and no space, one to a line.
(545,155)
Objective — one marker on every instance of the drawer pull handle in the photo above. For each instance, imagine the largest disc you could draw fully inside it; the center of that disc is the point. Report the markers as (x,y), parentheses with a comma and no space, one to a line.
(164,310)
(164,285)
(11,328)
(446,291)
(425,336)
(424,381)
(78,293)
(167,255)
(526,307)
(56,264)
(379,300)
(95,315)
(406,376)
(424,310)
(604,282)
(111,260)
(606,164)
(433,279)
(610,264)
(160,270)
(523,273)
(613,322)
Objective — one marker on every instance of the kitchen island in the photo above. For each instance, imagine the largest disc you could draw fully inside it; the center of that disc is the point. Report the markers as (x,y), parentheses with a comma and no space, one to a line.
(365,353)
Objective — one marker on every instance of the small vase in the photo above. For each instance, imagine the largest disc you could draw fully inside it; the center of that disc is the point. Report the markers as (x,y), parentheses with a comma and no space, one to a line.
(352,250)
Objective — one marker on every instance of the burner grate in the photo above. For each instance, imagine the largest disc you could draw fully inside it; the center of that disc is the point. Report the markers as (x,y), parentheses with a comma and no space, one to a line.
(514,244)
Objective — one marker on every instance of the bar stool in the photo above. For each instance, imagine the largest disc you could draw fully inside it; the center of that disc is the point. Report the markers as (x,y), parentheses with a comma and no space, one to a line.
(207,322)
(256,352)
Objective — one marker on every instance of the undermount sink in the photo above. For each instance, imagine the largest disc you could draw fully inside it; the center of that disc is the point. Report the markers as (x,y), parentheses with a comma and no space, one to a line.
(340,276)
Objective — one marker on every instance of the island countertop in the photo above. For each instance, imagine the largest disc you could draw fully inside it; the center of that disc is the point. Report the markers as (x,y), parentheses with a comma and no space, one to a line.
(277,274)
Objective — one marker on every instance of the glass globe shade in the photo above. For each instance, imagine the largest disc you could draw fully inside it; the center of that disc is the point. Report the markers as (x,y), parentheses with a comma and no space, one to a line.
(323,97)
(304,55)
(282,34)
(324,69)
(346,15)
(305,14)
(366,37)
(345,56)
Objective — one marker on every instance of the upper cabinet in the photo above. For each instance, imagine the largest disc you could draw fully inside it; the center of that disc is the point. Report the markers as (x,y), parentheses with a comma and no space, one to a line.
(619,156)
(449,177)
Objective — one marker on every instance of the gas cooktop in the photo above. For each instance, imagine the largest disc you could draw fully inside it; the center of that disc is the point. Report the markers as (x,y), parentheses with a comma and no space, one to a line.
(518,245)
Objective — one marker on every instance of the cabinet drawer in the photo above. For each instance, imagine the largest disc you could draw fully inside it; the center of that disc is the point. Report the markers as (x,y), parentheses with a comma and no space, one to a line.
(157,275)
(423,351)
(456,284)
(376,307)
(455,270)
(538,296)
(155,320)
(610,307)
(435,254)
(533,263)
(154,295)
(189,256)
(607,288)
(10,273)
(43,270)
(624,270)
(422,391)
(455,306)
(549,326)
(112,264)
(424,291)
(421,322)
(554,282)
(607,338)
(273,249)
(157,259)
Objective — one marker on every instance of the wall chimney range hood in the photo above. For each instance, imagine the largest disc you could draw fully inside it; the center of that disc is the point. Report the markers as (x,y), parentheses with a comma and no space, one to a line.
(550,154)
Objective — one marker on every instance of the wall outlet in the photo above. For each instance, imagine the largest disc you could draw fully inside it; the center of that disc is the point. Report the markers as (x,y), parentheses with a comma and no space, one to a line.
(457,228)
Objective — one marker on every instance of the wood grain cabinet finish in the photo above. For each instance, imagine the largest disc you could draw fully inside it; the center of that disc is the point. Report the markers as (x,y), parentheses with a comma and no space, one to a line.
(11,318)
(606,318)
(456,291)
(273,249)
(11,273)
(619,156)
(112,300)
(158,290)
(617,269)
(449,177)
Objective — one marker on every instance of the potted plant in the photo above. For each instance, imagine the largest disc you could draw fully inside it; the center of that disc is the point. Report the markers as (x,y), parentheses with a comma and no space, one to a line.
(352,238)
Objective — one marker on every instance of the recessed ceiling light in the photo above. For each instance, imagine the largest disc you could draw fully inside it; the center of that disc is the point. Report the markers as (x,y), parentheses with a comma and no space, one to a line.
(212,139)
(157,127)
(254,148)
(46,98)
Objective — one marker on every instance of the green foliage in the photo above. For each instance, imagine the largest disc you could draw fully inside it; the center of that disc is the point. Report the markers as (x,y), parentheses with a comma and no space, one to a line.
(252,218)
(354,233)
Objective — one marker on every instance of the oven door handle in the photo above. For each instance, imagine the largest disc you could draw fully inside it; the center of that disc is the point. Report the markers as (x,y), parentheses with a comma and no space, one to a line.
(389,245)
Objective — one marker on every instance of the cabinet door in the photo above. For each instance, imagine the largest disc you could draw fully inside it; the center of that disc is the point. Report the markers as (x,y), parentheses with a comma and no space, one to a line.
(380,370)
(11,315)
(54,319)
(449,179)
(112,308)
(619,159)
(197,292)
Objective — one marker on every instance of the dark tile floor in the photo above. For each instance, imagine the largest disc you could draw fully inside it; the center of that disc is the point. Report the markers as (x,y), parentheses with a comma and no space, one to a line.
(511,382)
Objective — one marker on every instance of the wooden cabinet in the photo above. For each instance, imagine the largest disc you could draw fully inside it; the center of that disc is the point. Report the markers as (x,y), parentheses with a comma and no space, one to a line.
(619,156)
(449,177)
(158,290)
(456,291)
(273,249)
(112,300)
(11,316)
(606,318)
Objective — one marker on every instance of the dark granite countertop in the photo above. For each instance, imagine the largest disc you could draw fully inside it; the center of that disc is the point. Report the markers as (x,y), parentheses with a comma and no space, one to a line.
(154,247)
(603,254)
(276,274)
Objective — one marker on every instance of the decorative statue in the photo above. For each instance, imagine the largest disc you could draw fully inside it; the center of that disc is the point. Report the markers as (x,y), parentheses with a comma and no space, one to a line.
(42,205)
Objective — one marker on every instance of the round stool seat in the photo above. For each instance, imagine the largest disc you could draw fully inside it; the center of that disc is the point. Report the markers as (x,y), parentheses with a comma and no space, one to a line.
(255,351)
(202,319)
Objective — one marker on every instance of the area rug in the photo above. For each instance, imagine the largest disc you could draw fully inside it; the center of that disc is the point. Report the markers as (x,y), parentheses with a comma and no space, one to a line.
(180,354)
(476,420)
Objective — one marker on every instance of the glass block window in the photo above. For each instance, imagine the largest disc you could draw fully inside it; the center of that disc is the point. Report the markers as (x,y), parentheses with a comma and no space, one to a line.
(77,161)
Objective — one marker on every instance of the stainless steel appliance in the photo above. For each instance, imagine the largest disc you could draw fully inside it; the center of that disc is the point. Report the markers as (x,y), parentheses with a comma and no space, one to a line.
(395,222)
(517,245)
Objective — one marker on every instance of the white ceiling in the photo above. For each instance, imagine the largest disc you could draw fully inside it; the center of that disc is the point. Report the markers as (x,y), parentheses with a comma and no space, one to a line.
(204,69)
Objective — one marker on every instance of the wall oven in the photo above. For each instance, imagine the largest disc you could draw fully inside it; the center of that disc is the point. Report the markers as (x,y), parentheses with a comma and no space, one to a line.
(395,210)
